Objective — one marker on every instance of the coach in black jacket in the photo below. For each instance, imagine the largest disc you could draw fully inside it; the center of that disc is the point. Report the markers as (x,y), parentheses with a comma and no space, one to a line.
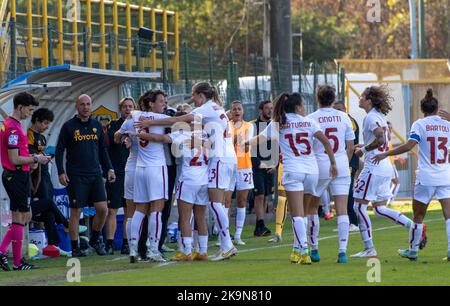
(84,142)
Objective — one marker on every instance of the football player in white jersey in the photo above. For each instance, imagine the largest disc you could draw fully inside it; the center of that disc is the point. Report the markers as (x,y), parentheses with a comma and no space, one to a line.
(222,165)
(150,184)
(338,129)
(373,184)
(296,134)
(192,186)
(432,134)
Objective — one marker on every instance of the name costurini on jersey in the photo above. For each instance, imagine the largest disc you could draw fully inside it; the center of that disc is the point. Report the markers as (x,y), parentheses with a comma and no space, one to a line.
(297,125)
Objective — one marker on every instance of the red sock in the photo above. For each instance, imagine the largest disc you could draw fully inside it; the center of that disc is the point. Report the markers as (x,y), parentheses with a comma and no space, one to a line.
(17,237)
(6,240)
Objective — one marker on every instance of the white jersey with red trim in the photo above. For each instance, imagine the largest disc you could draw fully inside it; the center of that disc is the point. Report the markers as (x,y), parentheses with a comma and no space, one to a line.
(194,162)
(372,121)
(338,129)
(296,143)
(215,123)
(432,133)
(149,153)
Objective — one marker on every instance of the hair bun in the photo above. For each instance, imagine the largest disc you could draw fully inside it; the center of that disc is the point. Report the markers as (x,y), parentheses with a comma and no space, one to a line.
(429,94)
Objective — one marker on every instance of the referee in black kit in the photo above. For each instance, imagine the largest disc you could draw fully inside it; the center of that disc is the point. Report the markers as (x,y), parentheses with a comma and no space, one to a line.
(84,142)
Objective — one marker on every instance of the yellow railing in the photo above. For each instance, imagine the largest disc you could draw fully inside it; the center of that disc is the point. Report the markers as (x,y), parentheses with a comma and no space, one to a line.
(99,19)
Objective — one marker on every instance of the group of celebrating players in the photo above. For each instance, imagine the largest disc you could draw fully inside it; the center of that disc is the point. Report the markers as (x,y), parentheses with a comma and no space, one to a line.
(213,159)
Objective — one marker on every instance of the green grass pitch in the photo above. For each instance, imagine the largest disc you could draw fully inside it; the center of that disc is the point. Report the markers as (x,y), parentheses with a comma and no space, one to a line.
(261,263)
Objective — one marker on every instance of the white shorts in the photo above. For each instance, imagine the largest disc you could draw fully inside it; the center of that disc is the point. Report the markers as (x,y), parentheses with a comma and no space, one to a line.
(425,194)
(372,188)
(129,184)
(192,194)
(244,180)
(220,175)
(150,184)
(300,182)
(338,186)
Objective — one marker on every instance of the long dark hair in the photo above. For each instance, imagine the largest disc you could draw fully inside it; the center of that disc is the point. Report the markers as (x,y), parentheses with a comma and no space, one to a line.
(208,90)
(380,97)
(285,104)
(326,95)
(429,104)
(150,96)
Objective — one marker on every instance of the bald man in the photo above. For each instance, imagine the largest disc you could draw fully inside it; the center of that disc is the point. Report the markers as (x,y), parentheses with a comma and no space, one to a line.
(83,140)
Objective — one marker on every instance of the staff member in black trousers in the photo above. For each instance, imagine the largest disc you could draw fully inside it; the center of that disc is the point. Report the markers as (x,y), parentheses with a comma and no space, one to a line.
(42,205)
(118,153)
(84,142)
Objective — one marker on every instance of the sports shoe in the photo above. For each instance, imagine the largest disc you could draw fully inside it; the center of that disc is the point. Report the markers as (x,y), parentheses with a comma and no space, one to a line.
(447,258)
(328,216)
(367,253)
(177,257)
(411,255)
(295,256)
(424,238)
(99,247)
(166,249)
(25,266)
(275,239)
(155,255)
(109,249)
(342,258)
(262,231)
(4,263)
(305,259)
(315,256)
(353,228)
(200,257)
(78,253)
(185,257)
(125,250)
(133,252)
(239,242)
(226,254)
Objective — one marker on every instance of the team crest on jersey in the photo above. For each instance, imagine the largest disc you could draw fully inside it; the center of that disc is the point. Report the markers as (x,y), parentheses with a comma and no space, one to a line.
(94,130)
(13,140)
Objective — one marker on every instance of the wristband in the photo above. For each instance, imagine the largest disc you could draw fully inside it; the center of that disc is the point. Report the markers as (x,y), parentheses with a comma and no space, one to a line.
(363,150)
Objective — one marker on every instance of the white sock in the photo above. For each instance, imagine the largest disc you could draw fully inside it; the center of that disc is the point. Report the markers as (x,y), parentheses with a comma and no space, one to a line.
(393,215)
(415,233)
(227,211)
(180,241)
(325,202)
(203,244)
(365,226)
(187,242)
(343,224)
(313,231)
(299,233)
(128,229)
(154,229)
(222,223)
(136,227)
(195,240)
(447,226)
(240,220)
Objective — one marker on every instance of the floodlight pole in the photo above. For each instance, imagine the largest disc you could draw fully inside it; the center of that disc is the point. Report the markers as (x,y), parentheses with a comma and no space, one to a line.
(412,10)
